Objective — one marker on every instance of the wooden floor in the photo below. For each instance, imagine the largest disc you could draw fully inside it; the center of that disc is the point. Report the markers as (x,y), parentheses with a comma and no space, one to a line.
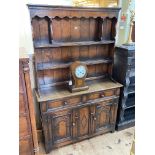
(118,143)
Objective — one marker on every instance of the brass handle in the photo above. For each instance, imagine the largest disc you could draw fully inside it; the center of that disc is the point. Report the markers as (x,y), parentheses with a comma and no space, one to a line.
(73,124)
(102,95)
(92,113)
(65,103)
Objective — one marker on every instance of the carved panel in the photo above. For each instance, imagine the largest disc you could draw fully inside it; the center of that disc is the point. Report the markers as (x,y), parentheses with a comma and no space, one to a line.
(61,126)
(102,116)
(83,121)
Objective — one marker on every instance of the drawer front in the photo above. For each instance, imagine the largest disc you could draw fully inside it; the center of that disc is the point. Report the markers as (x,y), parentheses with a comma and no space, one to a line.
(81,99)
(101,94)
(65,102)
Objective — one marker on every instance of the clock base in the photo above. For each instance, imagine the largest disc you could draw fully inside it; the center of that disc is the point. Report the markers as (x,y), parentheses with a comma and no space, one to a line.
(72,89)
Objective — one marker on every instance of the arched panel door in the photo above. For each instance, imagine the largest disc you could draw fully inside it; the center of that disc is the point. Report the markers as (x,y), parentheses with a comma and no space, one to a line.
(81,122)
(60,127)
(105,114)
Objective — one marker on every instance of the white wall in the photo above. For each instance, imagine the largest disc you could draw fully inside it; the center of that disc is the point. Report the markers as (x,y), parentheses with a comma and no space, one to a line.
(123,29)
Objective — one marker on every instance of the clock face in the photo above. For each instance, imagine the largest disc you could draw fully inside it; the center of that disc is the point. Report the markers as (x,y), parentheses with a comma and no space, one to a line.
(80,71)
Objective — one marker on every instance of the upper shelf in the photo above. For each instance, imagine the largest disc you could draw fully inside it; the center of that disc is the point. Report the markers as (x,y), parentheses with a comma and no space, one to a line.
(50,65)
(65,44)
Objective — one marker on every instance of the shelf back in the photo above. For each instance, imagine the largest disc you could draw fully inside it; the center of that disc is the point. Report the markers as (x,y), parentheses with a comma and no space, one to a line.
(83,34)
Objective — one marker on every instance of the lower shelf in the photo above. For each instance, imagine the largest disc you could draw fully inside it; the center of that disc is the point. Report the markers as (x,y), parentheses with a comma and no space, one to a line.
(125,124)
(129,114)
(130,102)
(128,107)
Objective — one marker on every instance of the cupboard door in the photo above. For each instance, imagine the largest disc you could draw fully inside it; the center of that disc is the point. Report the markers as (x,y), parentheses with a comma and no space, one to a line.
(81,122)
(61,126)
(114,108)
(105,115)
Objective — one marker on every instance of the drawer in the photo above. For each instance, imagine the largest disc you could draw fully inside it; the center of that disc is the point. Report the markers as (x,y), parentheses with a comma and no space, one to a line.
(101,94)
(73,101)
(65,102)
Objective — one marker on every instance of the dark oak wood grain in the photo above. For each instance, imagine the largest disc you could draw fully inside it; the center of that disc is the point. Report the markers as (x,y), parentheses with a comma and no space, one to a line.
(70,34)
(28,143)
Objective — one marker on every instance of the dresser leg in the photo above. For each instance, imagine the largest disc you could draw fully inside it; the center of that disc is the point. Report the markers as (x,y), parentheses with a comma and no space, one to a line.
(47,148)
(113,130)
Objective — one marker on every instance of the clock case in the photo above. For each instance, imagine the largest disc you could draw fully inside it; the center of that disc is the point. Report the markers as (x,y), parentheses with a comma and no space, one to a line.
(78,84)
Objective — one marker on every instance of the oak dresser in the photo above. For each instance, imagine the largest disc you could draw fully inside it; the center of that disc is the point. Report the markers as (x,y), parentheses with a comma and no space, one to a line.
(61,36)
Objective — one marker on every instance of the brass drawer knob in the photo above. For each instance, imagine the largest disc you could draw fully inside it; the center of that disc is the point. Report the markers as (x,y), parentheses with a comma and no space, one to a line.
(94,118)
(102,95)
(65,103)
(73,124)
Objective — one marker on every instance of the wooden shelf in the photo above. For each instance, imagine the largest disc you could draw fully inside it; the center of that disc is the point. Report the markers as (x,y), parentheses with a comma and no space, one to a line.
(104,76)
(50,65)
(64,44)
(59,92)
(128,107)
(125,124)
(131,92)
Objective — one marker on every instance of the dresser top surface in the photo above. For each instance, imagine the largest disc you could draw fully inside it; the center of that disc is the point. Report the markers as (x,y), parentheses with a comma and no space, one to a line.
(60,92)
(127,47)
(71,7)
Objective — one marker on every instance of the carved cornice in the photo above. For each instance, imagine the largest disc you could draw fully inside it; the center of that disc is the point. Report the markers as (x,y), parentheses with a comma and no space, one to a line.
(71,12)
(71,17)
